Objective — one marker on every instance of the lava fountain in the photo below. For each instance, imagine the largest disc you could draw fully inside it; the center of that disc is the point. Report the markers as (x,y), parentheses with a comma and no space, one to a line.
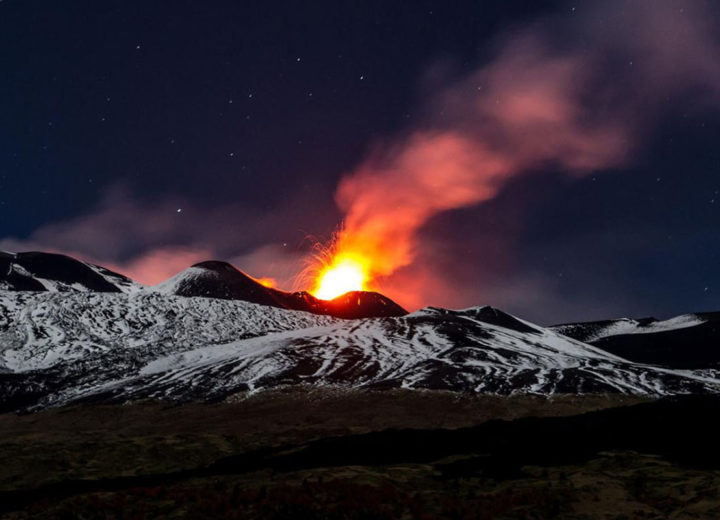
(342,274)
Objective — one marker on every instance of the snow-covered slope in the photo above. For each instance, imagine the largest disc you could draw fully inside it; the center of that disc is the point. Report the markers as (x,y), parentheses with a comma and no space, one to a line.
(688,341)
(58,348)
(41,330)
(35,271)
(594,331)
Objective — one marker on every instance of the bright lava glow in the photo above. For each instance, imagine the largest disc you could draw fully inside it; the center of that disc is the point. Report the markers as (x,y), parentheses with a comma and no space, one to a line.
(341,276)
(267,282)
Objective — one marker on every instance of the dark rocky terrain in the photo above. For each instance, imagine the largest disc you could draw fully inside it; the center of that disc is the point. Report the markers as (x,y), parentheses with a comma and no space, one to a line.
(316,453)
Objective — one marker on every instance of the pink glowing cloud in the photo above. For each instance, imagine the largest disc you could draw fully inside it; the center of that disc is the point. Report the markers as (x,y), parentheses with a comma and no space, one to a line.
(578,103)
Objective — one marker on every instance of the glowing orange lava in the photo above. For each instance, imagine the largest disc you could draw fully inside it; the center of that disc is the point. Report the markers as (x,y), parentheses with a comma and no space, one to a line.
(343,274)
(267,282)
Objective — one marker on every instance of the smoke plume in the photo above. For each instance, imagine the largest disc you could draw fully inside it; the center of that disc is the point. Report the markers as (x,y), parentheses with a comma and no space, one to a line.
(575,93)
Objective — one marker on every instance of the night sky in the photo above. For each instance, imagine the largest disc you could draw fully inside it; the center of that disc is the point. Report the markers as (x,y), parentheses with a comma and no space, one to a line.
(147,136)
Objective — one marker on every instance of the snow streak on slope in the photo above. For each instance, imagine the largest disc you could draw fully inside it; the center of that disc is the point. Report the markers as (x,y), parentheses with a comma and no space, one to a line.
(594,331)
(433,348)
(689,341)
(40,330)
(171,285)
(58,348)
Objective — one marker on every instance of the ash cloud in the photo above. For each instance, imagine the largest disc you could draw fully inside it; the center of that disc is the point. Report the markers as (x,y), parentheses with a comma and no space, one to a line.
(575,93)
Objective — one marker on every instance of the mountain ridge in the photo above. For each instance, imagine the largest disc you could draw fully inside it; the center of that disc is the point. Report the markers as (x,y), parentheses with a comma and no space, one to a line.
(197,337)
(688,341)
(64,348)
(39,271)
(217,279)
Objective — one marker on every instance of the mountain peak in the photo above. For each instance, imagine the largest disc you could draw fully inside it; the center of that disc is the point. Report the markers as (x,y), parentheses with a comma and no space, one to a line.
(38,271)
(218,279)
(217,266)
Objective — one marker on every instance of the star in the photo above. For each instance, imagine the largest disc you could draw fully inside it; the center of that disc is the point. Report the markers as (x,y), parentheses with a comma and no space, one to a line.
(179,210)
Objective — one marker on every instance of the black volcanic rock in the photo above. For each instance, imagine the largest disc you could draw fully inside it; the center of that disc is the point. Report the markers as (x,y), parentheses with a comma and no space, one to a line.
(361,304)
(493,316)
(215,279)
(36,271)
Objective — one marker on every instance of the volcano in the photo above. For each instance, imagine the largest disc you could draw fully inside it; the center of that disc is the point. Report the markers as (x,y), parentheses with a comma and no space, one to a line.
(38,271)
(214,279)
(73,332)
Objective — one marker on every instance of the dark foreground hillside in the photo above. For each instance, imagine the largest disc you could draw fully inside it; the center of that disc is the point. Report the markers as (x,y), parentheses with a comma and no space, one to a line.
(356,454)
